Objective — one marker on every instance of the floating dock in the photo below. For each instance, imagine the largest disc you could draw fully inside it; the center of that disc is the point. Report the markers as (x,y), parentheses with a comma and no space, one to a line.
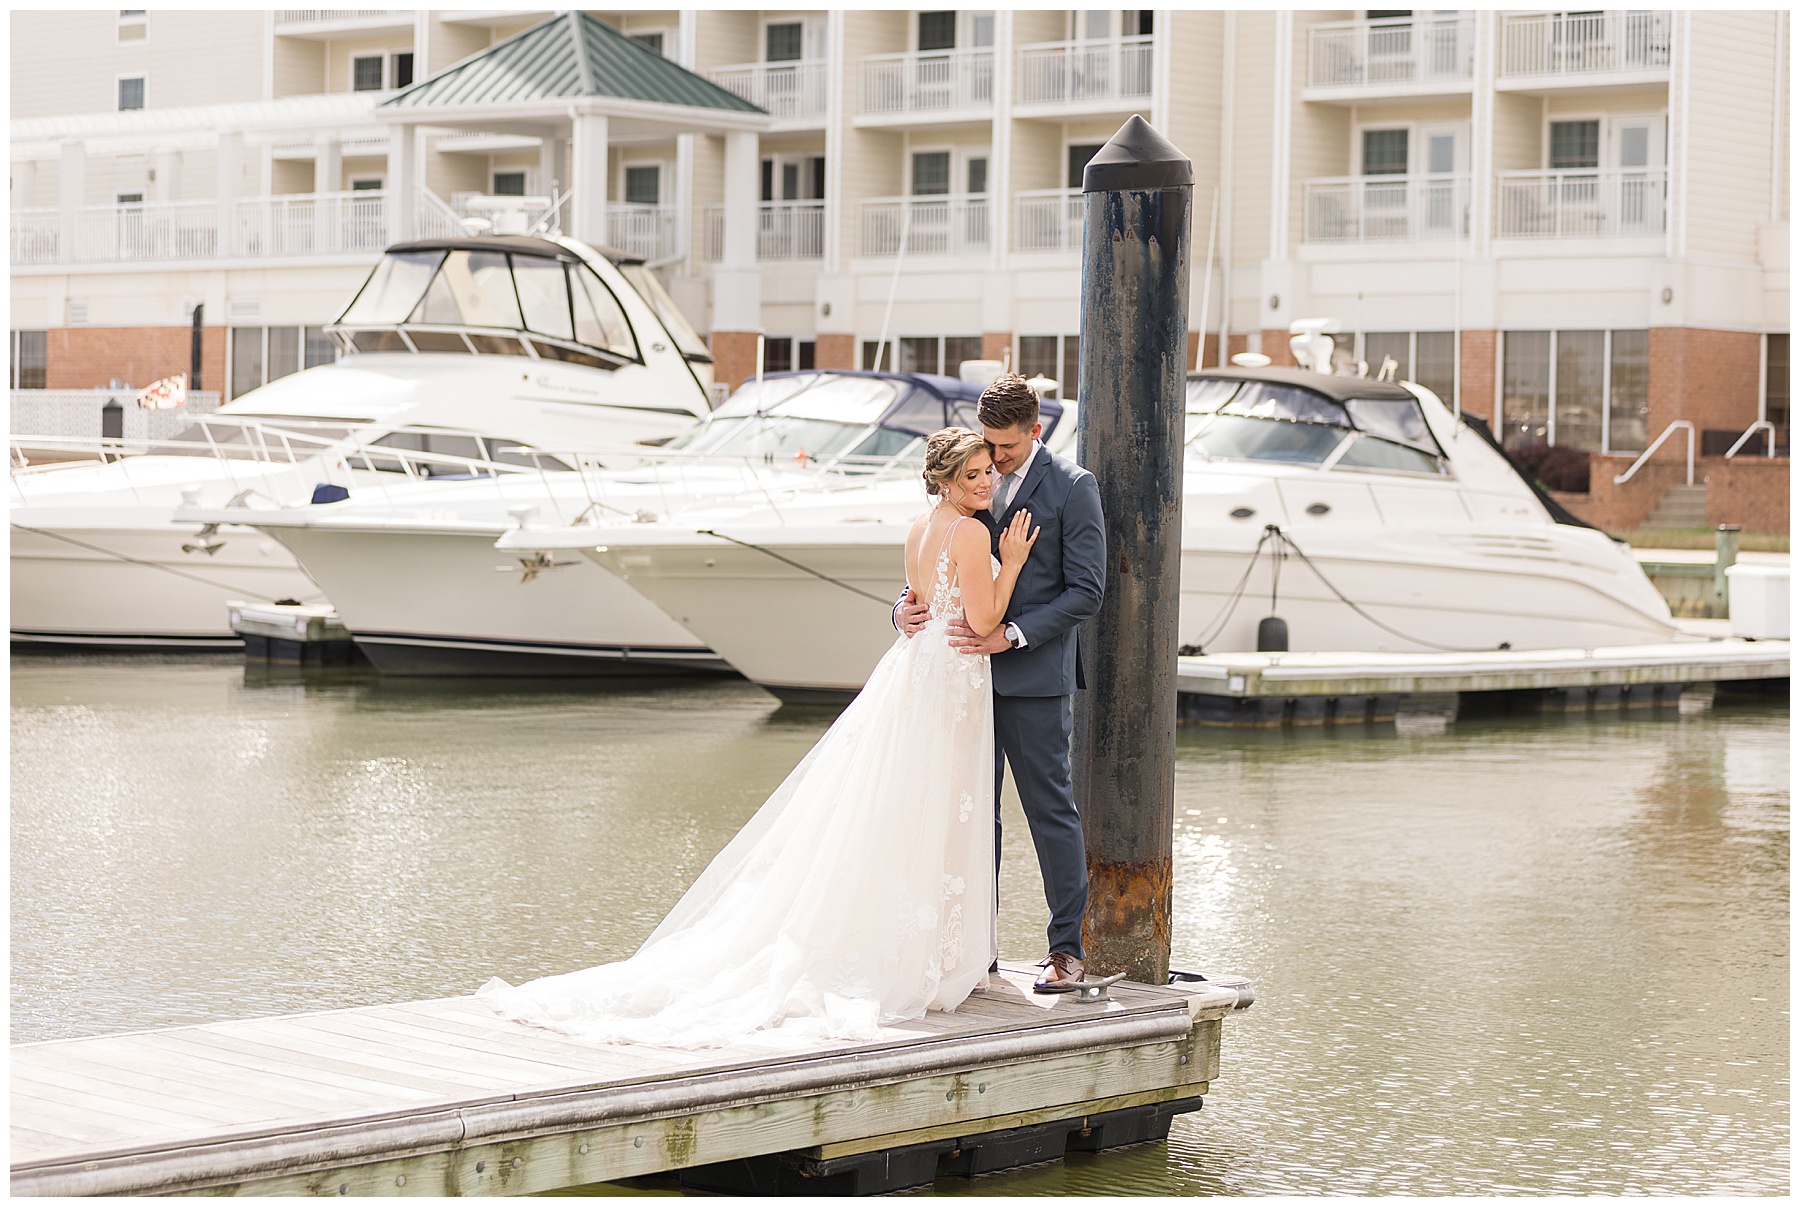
(445,1098)
(293,634)
(1271,689)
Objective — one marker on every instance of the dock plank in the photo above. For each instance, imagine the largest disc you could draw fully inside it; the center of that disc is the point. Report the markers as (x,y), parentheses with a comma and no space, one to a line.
(430,1051)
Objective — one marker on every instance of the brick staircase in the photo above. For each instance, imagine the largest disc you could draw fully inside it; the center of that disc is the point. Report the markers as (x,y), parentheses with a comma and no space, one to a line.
(1682,507)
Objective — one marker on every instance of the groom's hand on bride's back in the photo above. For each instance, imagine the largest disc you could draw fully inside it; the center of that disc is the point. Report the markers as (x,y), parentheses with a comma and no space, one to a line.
(909,614)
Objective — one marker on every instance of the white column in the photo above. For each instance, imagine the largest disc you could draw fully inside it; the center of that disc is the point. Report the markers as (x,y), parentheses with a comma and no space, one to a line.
(836,205)
(1000,189)
(1481,138)
(402,185)
(231,187)
(328,165)
(71,191)
(166,163)
(587,176)
(737,282)
(550,181)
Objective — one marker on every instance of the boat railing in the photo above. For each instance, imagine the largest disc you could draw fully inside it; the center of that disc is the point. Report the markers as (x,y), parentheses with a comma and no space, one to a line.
(1761,425)
(1680,424)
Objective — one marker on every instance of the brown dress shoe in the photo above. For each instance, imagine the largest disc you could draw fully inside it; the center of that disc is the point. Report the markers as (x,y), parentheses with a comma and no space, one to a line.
(1061,971)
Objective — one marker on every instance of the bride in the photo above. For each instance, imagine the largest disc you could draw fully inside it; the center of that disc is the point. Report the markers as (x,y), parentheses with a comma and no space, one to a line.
(861,894)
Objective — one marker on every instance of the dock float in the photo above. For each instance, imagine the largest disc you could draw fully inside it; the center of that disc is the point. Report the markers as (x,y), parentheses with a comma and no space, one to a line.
(298,634)
(1271,689)
(445,1098)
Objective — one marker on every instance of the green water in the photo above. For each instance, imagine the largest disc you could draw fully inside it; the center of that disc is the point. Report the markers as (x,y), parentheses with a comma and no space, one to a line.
(1515,956)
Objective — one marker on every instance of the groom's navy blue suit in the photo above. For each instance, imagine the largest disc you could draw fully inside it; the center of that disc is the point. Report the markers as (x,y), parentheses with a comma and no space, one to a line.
(1059,587)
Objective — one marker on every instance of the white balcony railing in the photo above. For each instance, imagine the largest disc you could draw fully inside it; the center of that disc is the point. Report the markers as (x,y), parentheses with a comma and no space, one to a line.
(785,230)
(171,230)
(1582,203)
(1047,220)
(311,223)
(928,81)
(1391,52)
(36,236)
(786,90)
(648,230)
(1584,43)
(1068,73)
(1386,209)
(307,16)
(939,225)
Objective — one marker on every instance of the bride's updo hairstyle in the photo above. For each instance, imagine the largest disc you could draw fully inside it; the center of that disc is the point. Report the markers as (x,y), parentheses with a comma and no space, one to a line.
(947,452)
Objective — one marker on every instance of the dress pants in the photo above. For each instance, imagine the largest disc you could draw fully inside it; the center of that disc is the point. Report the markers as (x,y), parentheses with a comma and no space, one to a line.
(1032,733)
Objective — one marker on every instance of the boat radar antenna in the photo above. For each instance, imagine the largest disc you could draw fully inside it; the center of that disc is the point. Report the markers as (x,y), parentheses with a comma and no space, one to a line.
(1311,343)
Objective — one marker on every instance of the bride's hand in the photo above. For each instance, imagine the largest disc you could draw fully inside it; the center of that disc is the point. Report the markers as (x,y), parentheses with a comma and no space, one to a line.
(1015,544)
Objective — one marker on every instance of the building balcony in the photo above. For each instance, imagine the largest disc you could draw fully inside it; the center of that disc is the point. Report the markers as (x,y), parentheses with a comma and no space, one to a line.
(256,227)
(791,92)
(1583,203)
(1386,209)
(1085,77)
(323,24)
(646,230)
(927,87)
(936,225)
(785,230)
(1547,50)
(1047,220)
(1397,57)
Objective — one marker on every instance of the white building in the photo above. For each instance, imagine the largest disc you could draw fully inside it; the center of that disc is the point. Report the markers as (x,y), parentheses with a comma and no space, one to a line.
(1575,221)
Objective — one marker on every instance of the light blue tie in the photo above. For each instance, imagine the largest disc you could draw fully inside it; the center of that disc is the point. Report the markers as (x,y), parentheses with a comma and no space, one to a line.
(1001,494)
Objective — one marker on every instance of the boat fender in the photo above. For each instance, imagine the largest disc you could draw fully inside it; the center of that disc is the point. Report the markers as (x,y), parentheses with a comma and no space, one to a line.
(1271,635)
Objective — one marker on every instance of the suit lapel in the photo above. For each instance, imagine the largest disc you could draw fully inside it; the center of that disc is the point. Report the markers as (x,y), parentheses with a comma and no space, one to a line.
(1034,475)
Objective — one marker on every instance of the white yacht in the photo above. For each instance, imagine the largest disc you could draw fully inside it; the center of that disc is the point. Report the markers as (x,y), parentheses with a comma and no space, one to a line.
(455,352)
(1364,514)
(414,576)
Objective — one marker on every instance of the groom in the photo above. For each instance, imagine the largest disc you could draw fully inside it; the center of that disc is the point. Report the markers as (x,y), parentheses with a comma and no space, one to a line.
(1036,664)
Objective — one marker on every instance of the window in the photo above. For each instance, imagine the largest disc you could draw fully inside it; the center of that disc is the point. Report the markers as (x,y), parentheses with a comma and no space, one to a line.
(1384,152)
(978,165)
(1079,154)
(260,355)
(778,354)
(784,43)
(650,41)
(1434,363)
(365,73)
(930,173)
(1775,387)
(401,69)
(247,359)
(1057,357)
(30,359)
(134,24)
(937,31)
(131,92)
(1140,22)
(319,348)
(924,354)
(1580,389)
(509,184)
(643,185)
(366,184)
(1574,145)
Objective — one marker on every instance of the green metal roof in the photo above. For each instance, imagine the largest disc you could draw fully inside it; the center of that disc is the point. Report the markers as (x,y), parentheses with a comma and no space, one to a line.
(570,55)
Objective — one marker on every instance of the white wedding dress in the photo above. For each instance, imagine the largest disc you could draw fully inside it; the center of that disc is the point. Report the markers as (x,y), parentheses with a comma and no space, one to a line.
(861,893)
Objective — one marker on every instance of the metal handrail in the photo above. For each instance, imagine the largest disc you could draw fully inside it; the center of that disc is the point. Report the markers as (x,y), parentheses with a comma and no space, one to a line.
(1762,424)
(1688,426)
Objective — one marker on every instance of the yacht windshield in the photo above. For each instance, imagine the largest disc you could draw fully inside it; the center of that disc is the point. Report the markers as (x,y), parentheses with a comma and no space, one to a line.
(680,330)
(1239,438)
(1207,394)
(1397,419)
(447,301)
(1263,400)
(807,416)
(773,437)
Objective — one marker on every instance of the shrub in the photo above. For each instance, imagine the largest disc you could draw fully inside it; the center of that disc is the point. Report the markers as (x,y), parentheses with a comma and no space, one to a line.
(1553,466)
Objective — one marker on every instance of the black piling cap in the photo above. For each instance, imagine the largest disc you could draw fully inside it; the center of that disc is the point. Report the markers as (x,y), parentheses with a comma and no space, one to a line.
(1137,158)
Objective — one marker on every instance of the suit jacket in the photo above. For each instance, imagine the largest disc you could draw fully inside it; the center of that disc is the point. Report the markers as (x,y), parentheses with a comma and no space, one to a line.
(1062,581)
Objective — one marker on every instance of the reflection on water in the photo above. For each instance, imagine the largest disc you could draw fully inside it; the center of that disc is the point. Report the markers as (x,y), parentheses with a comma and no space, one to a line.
(1531,956)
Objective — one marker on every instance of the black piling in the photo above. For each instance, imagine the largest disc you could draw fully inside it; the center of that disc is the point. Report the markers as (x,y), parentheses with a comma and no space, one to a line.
(1134,290)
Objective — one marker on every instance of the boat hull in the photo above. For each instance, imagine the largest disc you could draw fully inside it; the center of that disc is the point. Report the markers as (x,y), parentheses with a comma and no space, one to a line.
(449,603)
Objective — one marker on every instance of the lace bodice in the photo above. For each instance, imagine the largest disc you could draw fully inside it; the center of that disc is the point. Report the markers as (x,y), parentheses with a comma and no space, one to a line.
(946,596)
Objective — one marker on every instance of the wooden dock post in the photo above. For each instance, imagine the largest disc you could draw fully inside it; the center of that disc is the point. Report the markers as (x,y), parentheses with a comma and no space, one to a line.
(1134,302)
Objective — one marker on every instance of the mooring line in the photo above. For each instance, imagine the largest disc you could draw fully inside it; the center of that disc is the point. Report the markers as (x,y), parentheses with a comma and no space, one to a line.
(796,565)
(138,561)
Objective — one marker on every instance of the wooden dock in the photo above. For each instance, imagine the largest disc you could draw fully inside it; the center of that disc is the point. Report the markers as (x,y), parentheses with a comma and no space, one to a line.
(1318,688)
(443,1097)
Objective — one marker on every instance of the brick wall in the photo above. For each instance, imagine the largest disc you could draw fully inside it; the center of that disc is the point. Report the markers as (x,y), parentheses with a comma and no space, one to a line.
(82,358)
(1275,347)
(1194,344)
(1751,492)
(996,345)
(831,352)
(1478,373)
(1709,377)
(734,357)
